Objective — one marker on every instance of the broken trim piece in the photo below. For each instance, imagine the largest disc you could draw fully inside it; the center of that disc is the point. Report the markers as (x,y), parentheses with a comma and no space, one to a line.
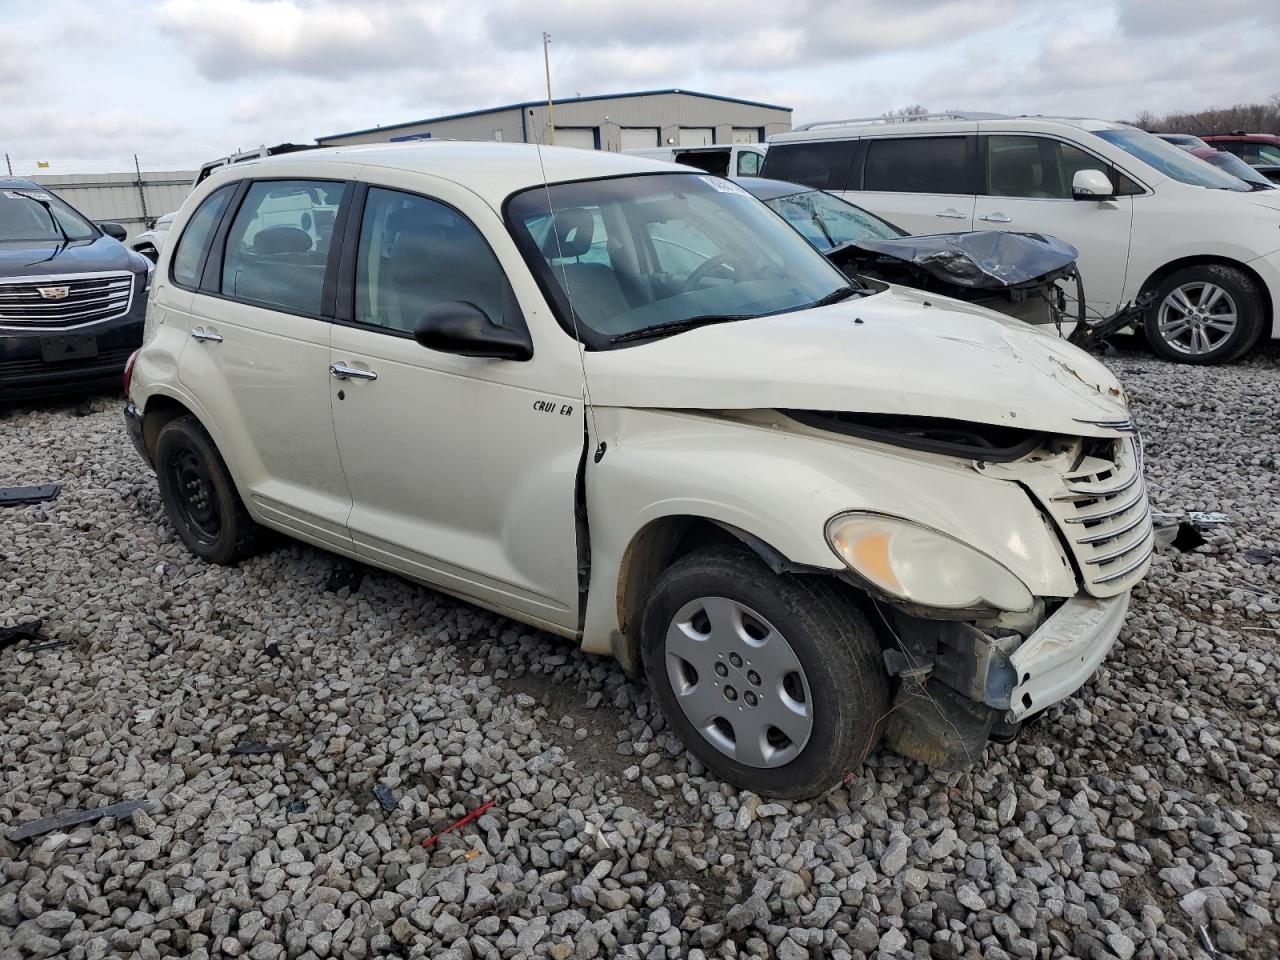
(953,438)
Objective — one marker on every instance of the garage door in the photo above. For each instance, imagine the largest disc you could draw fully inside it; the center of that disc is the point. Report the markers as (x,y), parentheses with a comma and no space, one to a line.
(697,136)
(746,134)
(637,138)
(584,137)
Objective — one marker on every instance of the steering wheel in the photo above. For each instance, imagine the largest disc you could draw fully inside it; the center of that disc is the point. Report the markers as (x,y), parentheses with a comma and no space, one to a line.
(706,268)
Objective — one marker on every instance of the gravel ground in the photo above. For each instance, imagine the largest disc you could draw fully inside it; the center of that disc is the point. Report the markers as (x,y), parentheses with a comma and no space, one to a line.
(1133,815)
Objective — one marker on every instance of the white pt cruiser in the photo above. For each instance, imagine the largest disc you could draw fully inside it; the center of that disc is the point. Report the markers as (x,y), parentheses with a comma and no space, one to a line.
(625,402)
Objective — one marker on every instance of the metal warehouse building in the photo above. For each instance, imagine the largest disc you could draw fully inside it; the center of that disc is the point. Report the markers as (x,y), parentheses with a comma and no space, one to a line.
(620,121)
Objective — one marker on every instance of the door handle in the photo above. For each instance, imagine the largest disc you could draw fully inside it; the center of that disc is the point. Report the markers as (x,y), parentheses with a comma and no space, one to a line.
(205,336)
(341,371)
(951,213)
(996,218)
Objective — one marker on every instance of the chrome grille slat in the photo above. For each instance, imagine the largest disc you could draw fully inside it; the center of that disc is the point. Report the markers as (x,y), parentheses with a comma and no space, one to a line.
(1113,533)
(1105,523)
(91,298)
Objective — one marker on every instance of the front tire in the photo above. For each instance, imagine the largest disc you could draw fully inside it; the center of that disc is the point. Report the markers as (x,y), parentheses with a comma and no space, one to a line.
(199,496)
(775,682)
(1205,314)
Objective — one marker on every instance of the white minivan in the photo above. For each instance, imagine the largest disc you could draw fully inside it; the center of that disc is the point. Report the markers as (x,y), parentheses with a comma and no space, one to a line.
(626,403)
(1146,216)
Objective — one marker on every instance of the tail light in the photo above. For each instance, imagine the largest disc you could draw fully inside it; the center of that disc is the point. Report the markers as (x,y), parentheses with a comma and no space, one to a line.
(128,371)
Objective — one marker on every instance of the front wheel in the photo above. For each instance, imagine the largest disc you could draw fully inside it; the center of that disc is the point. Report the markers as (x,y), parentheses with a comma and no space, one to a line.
(1205,314)
(775,682)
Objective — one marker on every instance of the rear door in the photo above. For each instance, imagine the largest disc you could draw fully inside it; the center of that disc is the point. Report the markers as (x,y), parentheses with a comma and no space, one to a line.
(463,469)
(922,184)
(258,356)
(1028,189)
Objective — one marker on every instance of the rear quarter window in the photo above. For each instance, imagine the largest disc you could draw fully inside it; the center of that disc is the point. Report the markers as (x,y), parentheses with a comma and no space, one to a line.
(195,238)
(822,164)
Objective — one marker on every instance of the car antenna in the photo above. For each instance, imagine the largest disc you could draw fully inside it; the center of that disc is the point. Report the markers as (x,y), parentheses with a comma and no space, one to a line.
(573,314)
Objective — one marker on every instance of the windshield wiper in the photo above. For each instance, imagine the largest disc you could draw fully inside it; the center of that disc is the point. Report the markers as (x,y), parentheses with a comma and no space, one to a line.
(677,326)
(835,296)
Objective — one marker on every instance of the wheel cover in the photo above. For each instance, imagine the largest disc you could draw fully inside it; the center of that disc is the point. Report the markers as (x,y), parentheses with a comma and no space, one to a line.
(739,682)
(193,494)
(1197,318)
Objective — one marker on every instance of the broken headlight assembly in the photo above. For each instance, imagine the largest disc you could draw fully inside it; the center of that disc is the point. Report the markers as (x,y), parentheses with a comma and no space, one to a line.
(924,566)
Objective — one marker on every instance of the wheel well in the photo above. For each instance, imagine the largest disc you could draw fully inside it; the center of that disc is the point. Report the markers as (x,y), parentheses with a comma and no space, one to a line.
(661,543)
(1173,266)
(158,412)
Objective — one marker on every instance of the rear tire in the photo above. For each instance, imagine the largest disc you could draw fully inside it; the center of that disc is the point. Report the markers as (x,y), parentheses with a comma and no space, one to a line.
(1205,314)
(199,496)
(734,653)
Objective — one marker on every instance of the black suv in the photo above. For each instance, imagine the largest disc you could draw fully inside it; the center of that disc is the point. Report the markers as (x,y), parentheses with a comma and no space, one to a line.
(72,296)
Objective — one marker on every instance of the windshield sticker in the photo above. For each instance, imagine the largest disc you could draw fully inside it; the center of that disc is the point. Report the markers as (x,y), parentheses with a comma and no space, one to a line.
(12,195)
(724,186)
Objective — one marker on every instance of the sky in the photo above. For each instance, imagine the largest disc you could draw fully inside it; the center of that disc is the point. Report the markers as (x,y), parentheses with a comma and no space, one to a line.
(87,84)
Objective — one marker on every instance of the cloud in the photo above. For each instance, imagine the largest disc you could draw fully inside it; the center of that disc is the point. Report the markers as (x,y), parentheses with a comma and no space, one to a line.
(232,39)
(1188,18)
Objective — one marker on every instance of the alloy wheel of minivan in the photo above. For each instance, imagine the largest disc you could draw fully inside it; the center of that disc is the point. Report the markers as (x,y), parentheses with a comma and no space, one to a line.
(738,681)
(774,681)
(1197,317)
(1204,314)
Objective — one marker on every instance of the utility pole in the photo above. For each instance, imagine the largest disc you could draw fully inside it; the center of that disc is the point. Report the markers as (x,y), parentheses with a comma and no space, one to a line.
(546,62)
(8,163)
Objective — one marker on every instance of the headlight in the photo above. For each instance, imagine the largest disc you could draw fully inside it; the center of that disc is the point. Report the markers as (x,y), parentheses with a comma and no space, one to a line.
(922,565)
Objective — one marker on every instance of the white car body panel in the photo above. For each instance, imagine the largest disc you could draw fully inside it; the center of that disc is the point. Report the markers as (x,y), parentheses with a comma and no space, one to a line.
(465,471)
(1119,250)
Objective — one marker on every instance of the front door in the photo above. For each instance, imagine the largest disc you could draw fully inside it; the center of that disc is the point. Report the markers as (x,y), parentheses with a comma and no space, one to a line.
(258,357)
(463,469)
(1029,190)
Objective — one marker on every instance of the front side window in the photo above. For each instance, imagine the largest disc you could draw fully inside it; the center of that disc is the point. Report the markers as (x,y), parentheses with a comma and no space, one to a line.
(829,222)
(37,215)
(1173,162)
(278,244)
(416,253)
(642,255)
(821,164)
(1035,167)
(749,163)
(196,236)
(1260,152)
(917,165)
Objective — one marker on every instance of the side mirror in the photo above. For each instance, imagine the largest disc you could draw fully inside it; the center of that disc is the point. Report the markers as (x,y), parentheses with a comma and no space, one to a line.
(1091,185)
(113,230)
(464,329)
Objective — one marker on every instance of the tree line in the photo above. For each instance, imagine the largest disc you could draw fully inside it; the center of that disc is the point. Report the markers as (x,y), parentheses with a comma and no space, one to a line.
(1249,117)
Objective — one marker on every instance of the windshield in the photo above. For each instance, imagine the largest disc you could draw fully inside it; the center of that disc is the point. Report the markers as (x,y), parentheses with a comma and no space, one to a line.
(1238,168)
(828,222)
(1184,140)
(1172,161)
(23,217)
(632,253)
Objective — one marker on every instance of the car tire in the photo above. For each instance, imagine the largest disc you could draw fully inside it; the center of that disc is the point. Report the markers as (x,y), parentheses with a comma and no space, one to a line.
(199,496)
(1206,314)
(828,664)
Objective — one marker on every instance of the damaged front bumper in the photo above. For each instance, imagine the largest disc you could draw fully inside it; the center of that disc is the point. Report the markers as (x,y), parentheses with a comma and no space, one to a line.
(970,683)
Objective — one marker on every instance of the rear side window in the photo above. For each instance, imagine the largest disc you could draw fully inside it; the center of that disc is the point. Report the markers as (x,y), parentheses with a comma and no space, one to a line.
(195,238)
(917,165)
(822,164)
(278,244)
(416,253)
(749,163)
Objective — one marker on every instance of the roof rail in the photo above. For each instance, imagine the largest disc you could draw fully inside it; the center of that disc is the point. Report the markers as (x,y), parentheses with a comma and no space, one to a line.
(910,118)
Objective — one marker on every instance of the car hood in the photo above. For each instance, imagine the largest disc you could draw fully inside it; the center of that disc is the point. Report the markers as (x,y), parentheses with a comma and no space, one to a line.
(1265,198)
(982,260)
(900,351)
(38,258)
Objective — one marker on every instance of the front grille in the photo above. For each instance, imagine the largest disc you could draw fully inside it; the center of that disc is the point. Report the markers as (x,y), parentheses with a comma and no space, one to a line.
(1100,508)
(16,369)
(89,298)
